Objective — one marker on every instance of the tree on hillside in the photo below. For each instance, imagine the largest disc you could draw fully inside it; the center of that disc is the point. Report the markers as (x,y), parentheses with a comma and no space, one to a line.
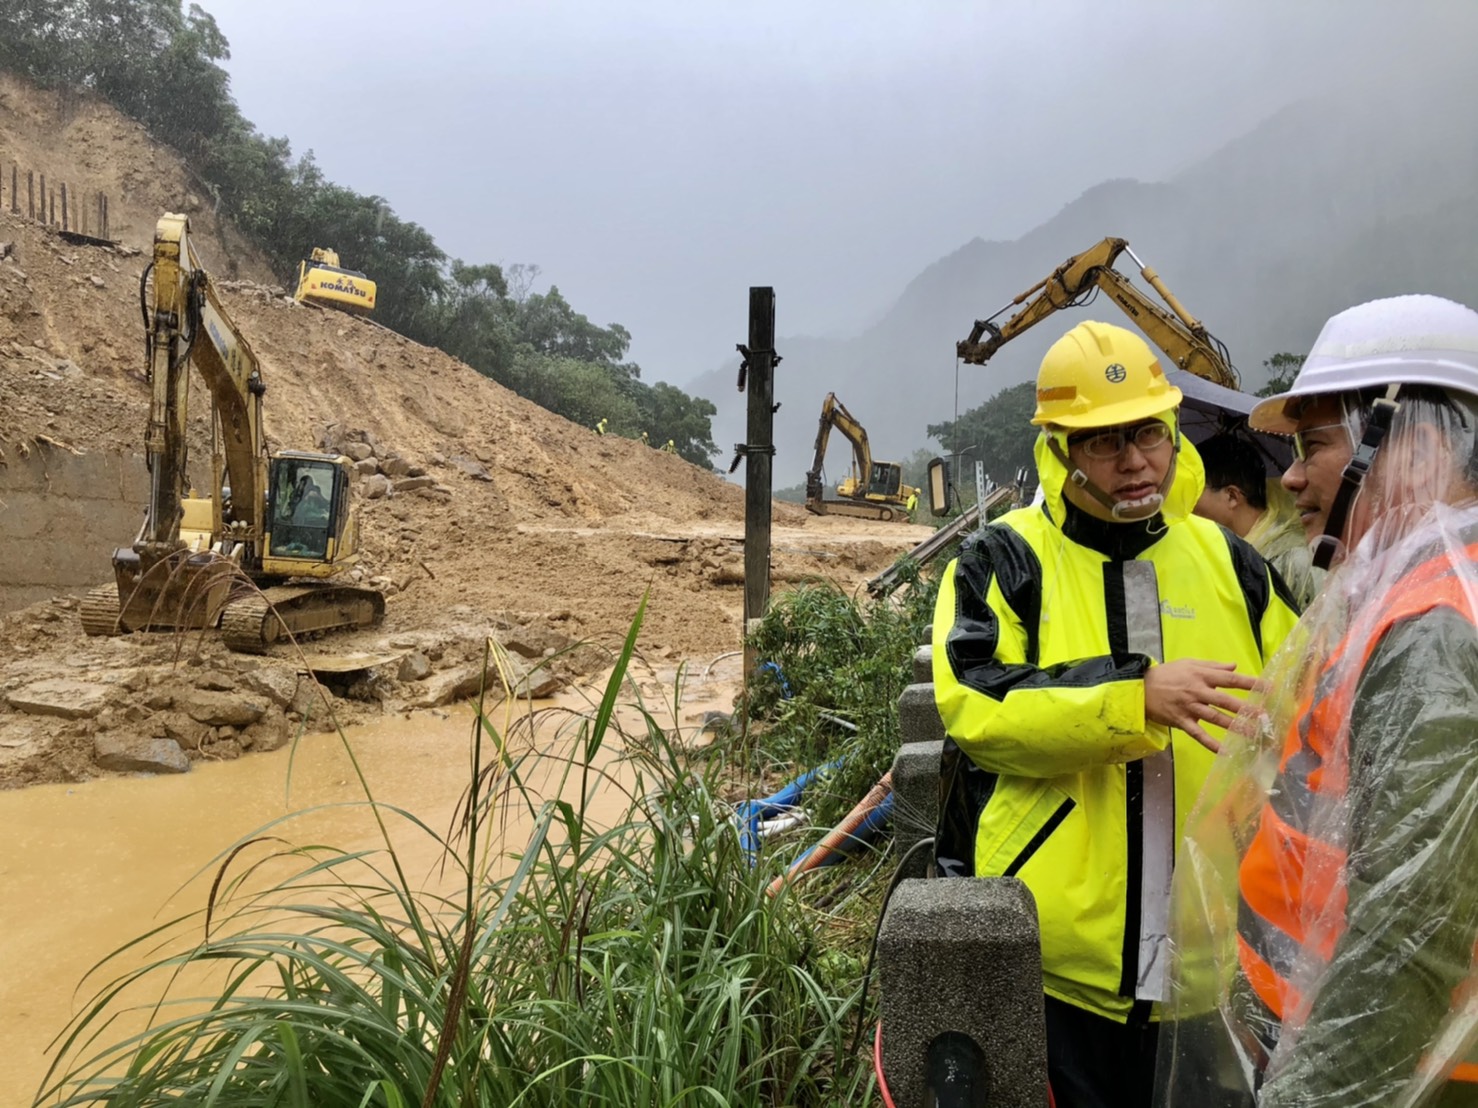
(1282,369)
(669,413)
(997,432)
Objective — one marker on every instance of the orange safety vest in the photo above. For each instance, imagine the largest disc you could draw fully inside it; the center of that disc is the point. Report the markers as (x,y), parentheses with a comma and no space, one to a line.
(1292,884)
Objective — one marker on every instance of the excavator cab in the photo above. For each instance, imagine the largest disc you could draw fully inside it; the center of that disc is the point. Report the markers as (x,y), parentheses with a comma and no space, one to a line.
(885,479)
(307,513)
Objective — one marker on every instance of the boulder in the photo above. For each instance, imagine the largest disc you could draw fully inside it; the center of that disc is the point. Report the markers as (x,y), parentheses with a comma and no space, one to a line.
(411,484)
(216,709)
(414,667)
(277,683)
(134,755)
(60,696)
(376,485)
(359,451)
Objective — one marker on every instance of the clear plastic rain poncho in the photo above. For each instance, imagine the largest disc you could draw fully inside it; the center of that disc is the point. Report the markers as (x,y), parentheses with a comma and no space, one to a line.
(1325,910)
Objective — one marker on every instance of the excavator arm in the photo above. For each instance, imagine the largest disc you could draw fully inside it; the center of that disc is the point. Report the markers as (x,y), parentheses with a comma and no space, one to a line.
(187,325)
(1180,336)
(834,414)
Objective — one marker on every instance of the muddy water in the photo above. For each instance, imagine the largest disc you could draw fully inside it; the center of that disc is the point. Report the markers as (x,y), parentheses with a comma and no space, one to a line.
(88,867)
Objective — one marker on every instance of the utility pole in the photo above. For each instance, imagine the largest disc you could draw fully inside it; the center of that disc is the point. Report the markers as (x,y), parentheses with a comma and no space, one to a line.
(758,452)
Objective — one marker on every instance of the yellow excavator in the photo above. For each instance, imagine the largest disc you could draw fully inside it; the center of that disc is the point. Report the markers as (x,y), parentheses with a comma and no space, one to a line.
(1180,336)
(322,281)
(256,554)
(873,490)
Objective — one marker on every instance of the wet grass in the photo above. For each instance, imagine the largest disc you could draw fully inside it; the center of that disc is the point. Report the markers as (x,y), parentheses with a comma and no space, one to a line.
(638,962)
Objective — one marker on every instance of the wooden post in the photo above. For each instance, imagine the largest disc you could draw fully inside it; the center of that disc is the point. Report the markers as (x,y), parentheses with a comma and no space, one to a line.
(30,194)
(64,207)
(15,200)
(759,453)
(51,210)
(43,198)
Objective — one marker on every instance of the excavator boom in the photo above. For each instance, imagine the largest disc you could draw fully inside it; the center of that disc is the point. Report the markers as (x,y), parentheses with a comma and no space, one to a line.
(1180,336)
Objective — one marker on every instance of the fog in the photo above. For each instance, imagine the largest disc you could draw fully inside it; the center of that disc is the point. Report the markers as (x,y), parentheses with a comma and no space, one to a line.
(655,159)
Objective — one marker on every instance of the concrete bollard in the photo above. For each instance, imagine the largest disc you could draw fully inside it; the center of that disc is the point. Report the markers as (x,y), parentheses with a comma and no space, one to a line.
(916,802)
(923,664)
(918,715)
(960,969)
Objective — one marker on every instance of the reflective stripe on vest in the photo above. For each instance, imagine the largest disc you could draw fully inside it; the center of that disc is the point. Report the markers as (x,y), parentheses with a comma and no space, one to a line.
(1293,883)
(1157,817)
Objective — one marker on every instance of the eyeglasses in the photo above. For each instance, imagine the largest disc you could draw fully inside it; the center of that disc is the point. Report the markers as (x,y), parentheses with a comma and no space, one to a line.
(1303,451)
(1112,441)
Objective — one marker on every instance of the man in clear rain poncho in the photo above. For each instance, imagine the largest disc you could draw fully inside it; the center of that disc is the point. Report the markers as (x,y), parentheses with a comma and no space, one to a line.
(1326,907)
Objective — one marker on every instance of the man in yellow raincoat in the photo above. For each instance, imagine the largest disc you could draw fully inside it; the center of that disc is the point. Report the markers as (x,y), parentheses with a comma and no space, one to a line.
(1087,654)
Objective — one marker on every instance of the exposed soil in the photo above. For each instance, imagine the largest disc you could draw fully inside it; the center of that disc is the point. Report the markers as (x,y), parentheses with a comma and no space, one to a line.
(533,531)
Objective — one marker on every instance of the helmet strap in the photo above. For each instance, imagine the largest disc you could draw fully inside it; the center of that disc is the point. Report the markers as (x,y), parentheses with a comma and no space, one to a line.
(1382,412)
(1114,507)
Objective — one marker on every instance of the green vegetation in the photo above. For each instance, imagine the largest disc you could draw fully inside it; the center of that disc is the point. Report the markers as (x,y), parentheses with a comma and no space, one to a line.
(1282,369)
(832,669)
(996,432)
(158,63)
(641,964)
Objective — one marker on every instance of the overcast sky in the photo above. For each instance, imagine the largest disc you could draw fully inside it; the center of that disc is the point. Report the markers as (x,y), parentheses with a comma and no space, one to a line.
(656,158)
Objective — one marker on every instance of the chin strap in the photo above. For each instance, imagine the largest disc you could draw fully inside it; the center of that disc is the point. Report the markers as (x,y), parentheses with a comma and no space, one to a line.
(1382,412)
(1115,509)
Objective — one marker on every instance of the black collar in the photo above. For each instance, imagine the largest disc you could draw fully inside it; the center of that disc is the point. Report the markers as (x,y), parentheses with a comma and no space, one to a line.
(1117,541)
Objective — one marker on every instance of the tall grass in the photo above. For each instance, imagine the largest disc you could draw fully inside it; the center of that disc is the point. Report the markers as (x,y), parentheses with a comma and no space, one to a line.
(634,964)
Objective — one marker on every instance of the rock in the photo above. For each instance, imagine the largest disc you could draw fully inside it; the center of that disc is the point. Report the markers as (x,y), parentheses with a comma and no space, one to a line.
(395,466)
(97,282)
(414,667)
(160,700)
(272,732)
(216,709)
(60,696)
(376,486)
(277,684)
(411,484)
(359,451)
(216,681)
(435,458)
(532,642)
(476,470)
(416,471)
(366,467)
(134,755)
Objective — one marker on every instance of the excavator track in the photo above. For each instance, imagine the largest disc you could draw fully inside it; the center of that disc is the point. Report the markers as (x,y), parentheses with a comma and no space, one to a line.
(254,622)
(100,610)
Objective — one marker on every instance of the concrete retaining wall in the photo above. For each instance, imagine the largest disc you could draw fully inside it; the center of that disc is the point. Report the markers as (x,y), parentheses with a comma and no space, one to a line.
(61,515)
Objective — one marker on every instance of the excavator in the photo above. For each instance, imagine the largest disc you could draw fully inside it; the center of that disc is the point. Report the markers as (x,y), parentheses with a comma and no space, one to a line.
(1180,336)
(321,281)
(873,490)
(256,555)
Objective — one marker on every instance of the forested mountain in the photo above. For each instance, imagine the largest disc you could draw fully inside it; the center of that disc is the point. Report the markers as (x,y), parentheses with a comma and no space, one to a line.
(1360,193)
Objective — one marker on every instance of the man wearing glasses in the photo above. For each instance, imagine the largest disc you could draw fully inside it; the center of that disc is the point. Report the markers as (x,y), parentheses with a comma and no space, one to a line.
(1088,653)
(1349,814)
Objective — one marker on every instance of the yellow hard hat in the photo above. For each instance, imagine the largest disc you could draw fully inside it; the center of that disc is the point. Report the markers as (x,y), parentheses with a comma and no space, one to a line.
(1099,375)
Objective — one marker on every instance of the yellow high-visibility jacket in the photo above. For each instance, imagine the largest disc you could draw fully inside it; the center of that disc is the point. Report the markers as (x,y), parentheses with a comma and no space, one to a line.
(1044,629)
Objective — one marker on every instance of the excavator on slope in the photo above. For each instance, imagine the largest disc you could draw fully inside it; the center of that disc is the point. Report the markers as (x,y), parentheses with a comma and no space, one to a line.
(1180,336)
(321,281)
(257,553)
(873,490)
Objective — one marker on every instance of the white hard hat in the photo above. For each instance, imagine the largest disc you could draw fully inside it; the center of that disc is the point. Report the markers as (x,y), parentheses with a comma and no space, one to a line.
(1408,340)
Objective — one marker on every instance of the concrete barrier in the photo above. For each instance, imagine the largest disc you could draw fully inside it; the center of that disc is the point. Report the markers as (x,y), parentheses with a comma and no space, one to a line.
(916,802)
(960,972)
(918,715)
(923,664)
